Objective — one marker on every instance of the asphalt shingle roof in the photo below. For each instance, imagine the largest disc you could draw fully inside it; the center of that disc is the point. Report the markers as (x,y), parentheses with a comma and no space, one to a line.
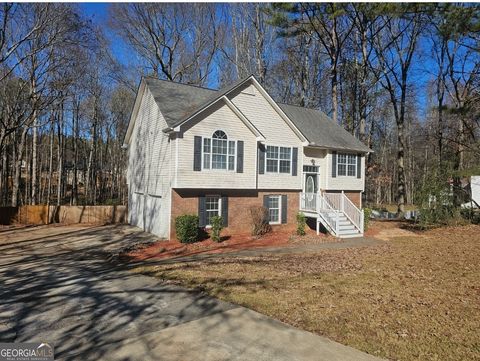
(321,130)
(178,102)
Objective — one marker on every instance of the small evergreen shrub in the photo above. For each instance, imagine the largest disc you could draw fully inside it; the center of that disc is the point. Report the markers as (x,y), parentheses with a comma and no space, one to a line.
(186,227)
(301,223)
(260,221)
(217,226)
(367,213)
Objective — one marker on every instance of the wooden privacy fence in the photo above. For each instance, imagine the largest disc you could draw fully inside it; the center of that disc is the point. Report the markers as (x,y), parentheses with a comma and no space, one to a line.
(63,214)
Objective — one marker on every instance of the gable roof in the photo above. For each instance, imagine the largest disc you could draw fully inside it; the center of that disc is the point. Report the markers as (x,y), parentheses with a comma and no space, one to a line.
(171,101)
(180,102)
(321,130)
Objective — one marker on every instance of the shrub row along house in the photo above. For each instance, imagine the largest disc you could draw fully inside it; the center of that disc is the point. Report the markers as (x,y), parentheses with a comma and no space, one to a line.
(195,150)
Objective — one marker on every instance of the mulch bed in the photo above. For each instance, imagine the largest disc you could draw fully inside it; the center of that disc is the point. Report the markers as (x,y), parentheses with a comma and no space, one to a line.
(238,242)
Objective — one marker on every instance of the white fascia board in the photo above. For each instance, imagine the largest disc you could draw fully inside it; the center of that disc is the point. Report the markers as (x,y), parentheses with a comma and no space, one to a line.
(243,118)
(177,128)
(133,116)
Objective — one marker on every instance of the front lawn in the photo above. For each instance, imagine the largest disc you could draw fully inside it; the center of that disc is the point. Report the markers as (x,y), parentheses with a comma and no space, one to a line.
(416,297)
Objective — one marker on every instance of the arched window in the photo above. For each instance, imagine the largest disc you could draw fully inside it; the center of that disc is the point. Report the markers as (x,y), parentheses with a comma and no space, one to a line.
(219,135)
(218,152)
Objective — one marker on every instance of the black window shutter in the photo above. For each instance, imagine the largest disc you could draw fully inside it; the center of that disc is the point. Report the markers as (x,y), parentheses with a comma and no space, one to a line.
(334,164)
(265,201)
(261,159)
(202,214)
(284,208)
(294,161)
(225,210)
(197,153)
(240,156)
(359,166)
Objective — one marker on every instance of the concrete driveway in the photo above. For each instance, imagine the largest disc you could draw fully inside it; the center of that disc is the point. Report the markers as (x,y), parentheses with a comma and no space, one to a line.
(57,287)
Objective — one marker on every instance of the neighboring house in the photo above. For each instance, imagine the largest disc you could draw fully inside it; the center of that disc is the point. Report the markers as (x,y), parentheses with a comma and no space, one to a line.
(475,189)
(194,150)
(471,187)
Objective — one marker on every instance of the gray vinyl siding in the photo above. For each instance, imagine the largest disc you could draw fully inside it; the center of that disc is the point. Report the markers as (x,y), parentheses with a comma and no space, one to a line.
(150,170)
(276,131)
(220,117)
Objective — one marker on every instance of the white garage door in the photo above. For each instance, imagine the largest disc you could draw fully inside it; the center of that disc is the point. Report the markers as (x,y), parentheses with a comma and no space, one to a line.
(153,219)
(135,212)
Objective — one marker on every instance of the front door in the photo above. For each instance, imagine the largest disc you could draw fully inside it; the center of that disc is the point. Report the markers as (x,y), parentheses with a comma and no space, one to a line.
(310,183)
(310,176)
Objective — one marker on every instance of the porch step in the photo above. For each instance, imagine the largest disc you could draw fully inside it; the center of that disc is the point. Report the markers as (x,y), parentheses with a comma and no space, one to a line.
(348,228)
(350,235)
(334,220)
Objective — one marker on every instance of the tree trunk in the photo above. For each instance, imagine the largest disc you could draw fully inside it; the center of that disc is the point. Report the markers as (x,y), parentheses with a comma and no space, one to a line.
(334,51)
(50,160)
(401,169)
(60,156)
(75,153)
(34,186)
(18,168)
(260,41)
(363,87)
(334,85)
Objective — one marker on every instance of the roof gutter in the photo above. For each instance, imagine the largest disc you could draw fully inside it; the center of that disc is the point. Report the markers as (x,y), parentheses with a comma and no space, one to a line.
(169,130)
(314,145)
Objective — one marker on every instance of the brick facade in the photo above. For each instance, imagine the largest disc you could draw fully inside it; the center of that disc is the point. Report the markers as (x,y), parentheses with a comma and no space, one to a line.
(239,204)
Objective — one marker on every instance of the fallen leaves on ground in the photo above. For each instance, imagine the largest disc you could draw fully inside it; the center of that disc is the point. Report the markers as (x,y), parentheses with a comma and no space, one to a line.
(413,298)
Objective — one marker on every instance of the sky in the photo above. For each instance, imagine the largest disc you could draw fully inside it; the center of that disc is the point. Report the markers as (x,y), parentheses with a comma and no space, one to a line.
(98,13)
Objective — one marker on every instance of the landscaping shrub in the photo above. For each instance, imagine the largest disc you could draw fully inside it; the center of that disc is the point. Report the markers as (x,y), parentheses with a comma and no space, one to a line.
(435,202)
(471,214)
(301,223)
(186,227)
(217,226)
(260,225)
(367,212)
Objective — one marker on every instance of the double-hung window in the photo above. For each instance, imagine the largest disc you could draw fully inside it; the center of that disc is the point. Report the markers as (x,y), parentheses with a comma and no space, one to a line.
(274,209)
(218,152)
(212,208)
(346,164)
(279,159)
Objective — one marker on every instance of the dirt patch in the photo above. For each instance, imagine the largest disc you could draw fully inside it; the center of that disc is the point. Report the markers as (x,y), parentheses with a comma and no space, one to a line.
(388,230)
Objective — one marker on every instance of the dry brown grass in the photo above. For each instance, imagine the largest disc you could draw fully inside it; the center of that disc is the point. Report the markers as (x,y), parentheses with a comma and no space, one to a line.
(414,298)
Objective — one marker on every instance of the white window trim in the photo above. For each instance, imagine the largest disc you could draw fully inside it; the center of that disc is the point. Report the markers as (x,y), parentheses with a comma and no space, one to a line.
(219,207)
(346,165)
(279,209)
(210,169)
(278,160)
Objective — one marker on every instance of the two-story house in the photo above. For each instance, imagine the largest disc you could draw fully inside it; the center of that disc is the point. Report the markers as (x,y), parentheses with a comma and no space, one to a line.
(193,150)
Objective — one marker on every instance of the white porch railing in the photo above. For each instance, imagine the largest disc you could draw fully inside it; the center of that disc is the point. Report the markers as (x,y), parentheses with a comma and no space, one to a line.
(352,212)
(329,206)
(308,202)
(315,202)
